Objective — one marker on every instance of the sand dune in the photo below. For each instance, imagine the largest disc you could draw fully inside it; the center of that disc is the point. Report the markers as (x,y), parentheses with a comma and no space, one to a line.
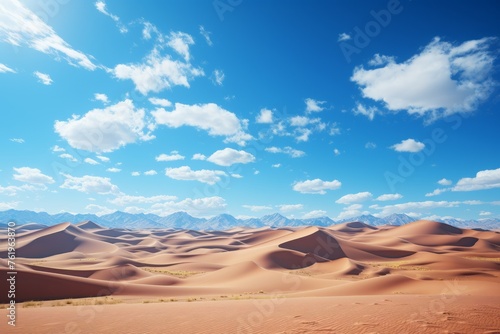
(352,259)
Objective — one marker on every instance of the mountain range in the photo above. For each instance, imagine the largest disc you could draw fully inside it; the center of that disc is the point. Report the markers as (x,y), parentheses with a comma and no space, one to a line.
(182,220)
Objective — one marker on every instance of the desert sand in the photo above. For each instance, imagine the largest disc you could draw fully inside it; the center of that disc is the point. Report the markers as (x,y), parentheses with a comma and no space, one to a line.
(351,278)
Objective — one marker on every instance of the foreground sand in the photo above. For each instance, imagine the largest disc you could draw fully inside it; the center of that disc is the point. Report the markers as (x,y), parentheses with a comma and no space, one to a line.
(349,278)
(357,314)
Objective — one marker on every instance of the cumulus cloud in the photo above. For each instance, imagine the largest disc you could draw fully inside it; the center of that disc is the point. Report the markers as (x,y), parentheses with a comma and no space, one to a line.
(389,197)
(441,80)
(160,102)
(90,161)
(180,42)
(229,156)
(316,186)
(17,140)
(209,117)
(20,26)
(485,179)
(101,97)
(43,78)
(89,184)
(370,145)
(290,207)
(343,37)
(365,111)
(102,158)
(314,214)
(352,210)
(68,157)
(196,207)
(286,150)
(444,182)
(187,174)
(354,198)
(157,72)
(436,192)
(113,170)
(314,105)
(173,156)
(150,172)
(32,176)
(415,206)
(105,130)
(265,116)
(199,156)
(408,145)
(57,148)
(135,173)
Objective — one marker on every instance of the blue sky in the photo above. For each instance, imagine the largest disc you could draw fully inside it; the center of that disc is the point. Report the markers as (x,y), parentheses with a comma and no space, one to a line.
(336,108)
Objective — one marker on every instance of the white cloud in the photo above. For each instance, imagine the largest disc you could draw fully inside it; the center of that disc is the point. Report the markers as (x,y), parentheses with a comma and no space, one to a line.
(257,208)
(90,161)
(187,174)
(229,156)
(485,213)
(286,150)
(113,170)
(14,190)
(353,198)
(150,172)
(334,129)
(89,184)
(101,6)
(301,121)
(31,175)
(20,26)
(17,140)
(57,148)
(135,173)
(101,97)
(199,156)
(441,80)
(157,73)
(196,207)
(102,158)
(343,37)
(485,179)
(276,165)
(160,102)
(4,206)
(314,105)
(314,214)
(237,176)
(316,186)
(5,69)
(206,34)
(408,145)
(218,77)
(290,207)
(105,130)
(99,210)
(444,182)
(180,42)
(265,116)
(366,111)
(210,117)
(352,211)
(43,78)
(124,200)
(148,29)
(436,192)
(68,156)
(257,172)
(174,155)
(370,145)
(379,60)
(415,206)
(336,151)
(389,197)
(304,134)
